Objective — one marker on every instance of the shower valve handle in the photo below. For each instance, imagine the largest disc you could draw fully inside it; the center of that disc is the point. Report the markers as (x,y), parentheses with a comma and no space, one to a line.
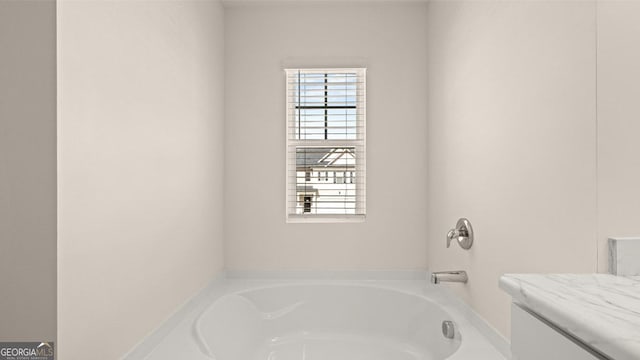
(463,233)
(452,234)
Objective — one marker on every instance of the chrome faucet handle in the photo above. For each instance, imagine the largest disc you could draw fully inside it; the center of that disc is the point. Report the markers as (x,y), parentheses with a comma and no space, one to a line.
(463,233)
(452,234)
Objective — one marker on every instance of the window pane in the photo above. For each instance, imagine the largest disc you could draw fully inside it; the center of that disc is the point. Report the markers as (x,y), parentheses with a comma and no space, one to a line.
(325,106)
(317,195)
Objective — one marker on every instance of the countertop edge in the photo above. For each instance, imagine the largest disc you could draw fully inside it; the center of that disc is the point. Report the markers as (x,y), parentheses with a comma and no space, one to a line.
(523,290)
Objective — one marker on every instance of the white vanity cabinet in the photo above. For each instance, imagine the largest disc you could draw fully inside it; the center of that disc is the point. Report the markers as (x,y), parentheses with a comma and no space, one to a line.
(533,338)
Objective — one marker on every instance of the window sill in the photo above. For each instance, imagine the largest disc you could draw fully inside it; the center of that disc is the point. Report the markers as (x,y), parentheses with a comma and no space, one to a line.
(323,219)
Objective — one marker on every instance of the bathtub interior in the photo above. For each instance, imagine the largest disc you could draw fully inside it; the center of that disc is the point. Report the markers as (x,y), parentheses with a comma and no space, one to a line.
(324,322)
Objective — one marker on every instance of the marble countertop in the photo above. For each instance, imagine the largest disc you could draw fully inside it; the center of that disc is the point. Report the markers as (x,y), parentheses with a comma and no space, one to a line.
(601,310)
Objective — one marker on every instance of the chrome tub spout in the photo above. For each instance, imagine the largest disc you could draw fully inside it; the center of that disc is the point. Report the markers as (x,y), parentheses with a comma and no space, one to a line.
(449,276)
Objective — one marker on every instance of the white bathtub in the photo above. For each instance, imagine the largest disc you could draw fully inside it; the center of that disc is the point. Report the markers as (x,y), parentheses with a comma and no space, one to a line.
(324,320)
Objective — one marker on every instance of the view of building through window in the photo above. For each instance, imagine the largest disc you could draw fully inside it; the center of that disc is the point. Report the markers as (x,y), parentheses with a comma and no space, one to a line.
(325,180)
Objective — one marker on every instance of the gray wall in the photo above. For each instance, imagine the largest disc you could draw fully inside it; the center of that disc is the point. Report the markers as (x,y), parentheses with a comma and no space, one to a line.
(140,166)
(548,164)
(387,37)
(618,124)
(512,141)
(27,170)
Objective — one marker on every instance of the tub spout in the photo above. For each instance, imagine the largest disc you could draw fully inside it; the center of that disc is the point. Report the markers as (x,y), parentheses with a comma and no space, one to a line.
(449,276)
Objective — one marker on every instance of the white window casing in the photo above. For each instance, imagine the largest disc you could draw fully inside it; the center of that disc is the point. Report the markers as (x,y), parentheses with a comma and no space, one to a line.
(326,145)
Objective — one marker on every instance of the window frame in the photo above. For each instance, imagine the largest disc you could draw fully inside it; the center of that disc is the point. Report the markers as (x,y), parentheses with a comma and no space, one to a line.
(358,143)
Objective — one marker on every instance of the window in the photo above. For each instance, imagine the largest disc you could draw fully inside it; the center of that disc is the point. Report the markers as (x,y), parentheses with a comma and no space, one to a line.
(326,135)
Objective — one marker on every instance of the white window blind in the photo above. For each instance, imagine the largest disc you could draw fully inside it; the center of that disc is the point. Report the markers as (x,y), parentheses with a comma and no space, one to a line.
(326,144)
